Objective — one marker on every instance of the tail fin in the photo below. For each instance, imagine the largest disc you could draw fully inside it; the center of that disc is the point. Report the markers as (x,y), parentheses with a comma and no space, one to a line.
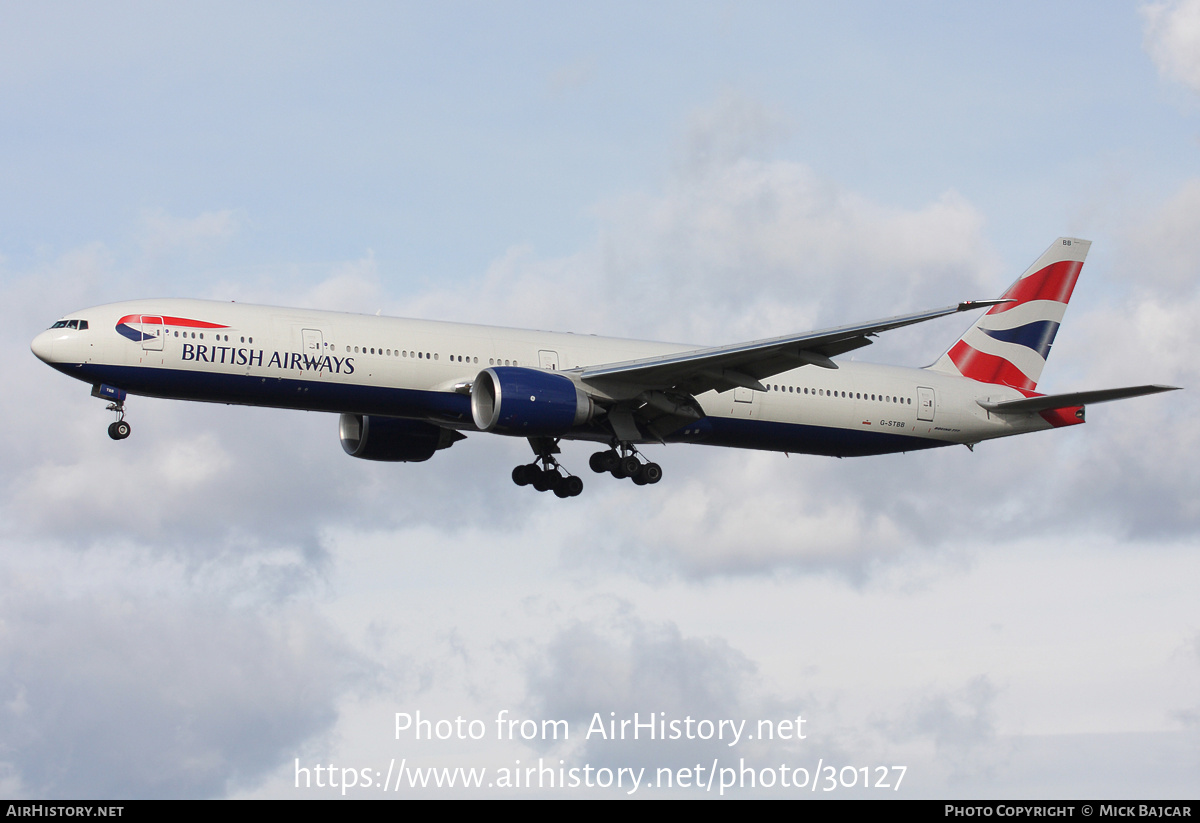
(1009,345)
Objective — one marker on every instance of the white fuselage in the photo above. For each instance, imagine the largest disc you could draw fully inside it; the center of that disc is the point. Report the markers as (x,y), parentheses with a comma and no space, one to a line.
(417,369)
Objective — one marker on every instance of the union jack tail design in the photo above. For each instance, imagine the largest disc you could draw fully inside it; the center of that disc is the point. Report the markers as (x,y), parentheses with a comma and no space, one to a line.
(1009,345)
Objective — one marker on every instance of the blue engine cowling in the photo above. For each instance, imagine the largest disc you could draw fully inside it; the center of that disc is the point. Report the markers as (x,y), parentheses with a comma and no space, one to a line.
(372,437)
(528,402)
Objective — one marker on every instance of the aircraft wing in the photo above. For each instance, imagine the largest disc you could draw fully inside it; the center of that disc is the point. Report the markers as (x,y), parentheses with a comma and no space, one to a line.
(1079,398)
(744,365)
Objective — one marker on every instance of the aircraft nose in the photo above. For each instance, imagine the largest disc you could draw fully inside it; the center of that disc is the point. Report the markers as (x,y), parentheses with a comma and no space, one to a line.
(42,346)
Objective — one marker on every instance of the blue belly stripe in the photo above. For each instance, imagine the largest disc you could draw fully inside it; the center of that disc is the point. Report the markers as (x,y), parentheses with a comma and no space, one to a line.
(455,409)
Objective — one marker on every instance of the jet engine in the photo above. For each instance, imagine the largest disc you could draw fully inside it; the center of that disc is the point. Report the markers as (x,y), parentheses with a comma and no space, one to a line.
(528,402)
(372,437)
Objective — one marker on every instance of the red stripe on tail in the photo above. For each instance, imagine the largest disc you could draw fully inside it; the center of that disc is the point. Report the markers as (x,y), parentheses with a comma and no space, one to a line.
(987,368)
(1055,282)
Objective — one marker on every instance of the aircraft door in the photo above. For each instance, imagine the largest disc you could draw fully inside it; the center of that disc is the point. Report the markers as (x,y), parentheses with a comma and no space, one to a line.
(926,404)
(313,344)
(152,333)
(744,404)
(548,360)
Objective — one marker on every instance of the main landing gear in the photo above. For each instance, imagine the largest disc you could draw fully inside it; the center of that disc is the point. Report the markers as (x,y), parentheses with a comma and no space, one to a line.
(544,473)
(624,461)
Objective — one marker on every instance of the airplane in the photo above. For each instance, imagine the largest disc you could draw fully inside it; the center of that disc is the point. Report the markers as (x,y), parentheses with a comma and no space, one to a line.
(405,389)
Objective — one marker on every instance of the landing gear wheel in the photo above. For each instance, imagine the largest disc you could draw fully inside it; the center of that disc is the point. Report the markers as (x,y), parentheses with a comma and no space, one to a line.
(523,475)
(629,466)
(651,473)
(606,461)
(547,480)
(572,485)
(118,430)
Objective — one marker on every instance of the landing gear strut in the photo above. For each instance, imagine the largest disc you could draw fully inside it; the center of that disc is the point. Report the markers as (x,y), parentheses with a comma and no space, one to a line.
(544,473)
(623,460)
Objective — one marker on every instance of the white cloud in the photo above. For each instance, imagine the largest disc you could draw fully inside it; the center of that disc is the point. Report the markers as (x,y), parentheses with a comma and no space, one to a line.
(1172,37)
(735,249)
(124,694)
(960,723)
(737,564)
(728,513)
(347,285)
(817,253)
(733,127)
(163,233)
(1159,251)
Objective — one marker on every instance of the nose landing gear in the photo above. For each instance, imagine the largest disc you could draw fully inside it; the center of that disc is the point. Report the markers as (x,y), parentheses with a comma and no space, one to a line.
(120,429)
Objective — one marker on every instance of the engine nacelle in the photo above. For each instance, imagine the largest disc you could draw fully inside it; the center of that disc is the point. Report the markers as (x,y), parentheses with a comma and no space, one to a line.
(528,402)
(372,437)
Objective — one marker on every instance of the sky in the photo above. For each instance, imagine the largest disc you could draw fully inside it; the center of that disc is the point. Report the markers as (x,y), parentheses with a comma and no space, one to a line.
(225,601)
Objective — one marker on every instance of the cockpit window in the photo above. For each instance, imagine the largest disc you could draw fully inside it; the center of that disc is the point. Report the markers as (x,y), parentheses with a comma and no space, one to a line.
(61,324)
(71,324)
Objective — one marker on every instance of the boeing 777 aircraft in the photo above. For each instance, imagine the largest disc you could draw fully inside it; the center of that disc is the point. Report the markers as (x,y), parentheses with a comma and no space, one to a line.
(407,388)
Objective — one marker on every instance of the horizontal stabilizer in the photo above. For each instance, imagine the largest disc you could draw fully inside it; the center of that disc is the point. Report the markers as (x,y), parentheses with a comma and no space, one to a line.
(1079,398)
